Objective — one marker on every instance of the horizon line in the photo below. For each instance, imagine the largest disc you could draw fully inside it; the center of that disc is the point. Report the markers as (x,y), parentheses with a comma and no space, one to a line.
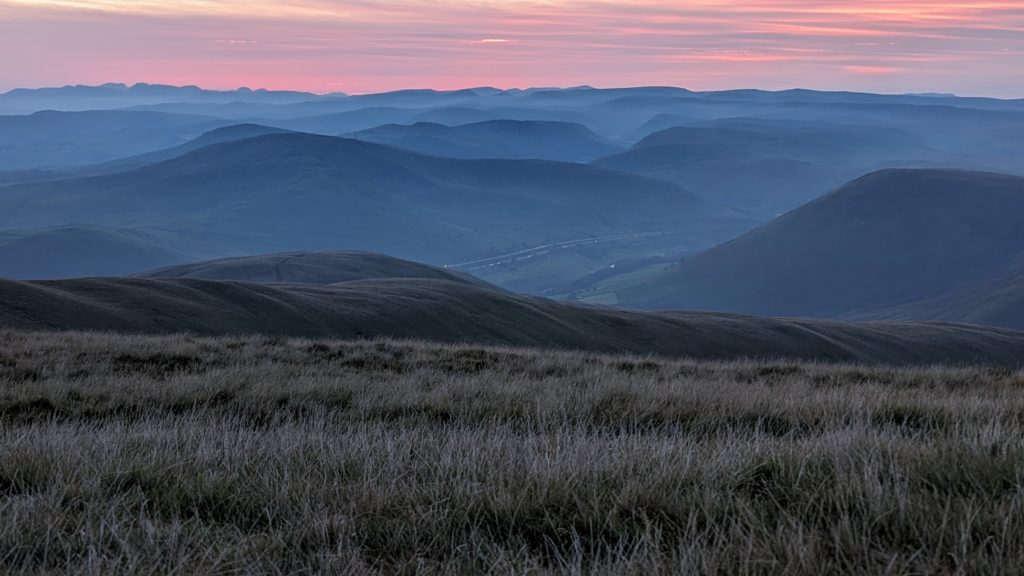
(126,85)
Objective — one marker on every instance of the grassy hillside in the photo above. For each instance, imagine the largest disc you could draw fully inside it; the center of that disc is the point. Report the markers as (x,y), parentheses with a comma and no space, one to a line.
(308,268)
(256,455)
(458,311)
(888,239)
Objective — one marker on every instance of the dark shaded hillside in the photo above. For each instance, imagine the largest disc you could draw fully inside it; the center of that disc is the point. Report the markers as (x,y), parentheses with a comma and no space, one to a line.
(560,141)
(73,251)
(446,311)
(998,301)
(308,268)
(306,192)
(11,177)
(766,167)
(888,239)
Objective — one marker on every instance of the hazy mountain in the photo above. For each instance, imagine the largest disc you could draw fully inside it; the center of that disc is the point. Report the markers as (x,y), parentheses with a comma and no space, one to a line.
(657,124)
(562,141)
(66,139)
(631,117)
(300,191)
(350,121)
(420,98)
(110,96)
(946,124)
(950,124)
(217,136)
(805,96)
(309,268)
(415,101)
(961,136)
(446,311)
(760,152)
(921,241)
(75,251)
(766,167)
(457,116)
(331,115)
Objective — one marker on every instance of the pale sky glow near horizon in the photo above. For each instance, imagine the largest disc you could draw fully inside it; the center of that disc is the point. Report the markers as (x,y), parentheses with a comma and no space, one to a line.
(893,46)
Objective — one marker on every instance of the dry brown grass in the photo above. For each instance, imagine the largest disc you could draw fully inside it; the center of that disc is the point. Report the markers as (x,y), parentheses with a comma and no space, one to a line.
(250,455)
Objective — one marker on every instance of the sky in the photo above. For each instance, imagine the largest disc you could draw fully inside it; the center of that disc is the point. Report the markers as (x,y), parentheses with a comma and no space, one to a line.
(357,46)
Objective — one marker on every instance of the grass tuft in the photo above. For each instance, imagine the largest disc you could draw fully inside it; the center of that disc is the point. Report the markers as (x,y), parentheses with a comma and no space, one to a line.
(253,455)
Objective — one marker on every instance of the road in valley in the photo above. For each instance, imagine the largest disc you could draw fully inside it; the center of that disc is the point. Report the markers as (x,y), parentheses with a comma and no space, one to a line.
(537,251)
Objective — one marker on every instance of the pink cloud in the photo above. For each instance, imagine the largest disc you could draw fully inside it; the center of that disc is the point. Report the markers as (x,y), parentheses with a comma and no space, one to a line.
(855,69)
(370,45)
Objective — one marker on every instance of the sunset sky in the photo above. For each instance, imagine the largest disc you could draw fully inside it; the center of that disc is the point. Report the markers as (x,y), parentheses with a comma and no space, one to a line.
(971,48)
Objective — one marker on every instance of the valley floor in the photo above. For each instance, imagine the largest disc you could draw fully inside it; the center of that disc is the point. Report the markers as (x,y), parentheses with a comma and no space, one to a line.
(178,454)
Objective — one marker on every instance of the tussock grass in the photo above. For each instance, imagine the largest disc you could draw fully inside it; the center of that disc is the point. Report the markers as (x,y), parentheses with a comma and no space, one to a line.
(255,455)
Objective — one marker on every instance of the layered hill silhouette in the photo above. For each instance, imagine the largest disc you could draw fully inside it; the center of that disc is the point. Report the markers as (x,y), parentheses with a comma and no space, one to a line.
(178,166)
(455,311)
(966,132)
(300,192)
(562,141)
(921,244)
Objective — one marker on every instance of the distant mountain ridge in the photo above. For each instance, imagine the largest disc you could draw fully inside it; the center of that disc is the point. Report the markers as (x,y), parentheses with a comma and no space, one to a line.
(703,167)
(117,95)
(293,191)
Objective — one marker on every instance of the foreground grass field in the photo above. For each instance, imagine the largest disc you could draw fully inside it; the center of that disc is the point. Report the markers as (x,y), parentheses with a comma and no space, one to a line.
(250,455)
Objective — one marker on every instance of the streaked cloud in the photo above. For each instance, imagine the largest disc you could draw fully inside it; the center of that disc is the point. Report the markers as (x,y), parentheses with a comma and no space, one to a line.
(363,45)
